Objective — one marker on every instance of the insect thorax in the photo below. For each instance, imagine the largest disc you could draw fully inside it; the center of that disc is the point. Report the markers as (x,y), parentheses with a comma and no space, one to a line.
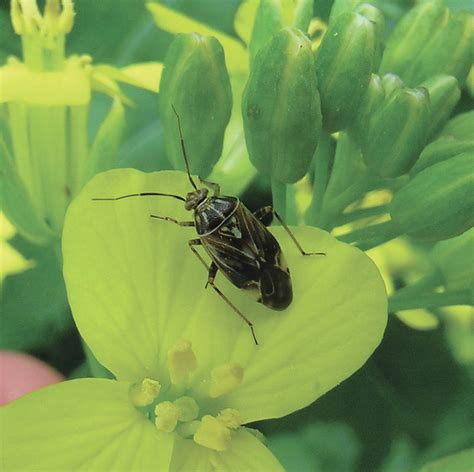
(213,212)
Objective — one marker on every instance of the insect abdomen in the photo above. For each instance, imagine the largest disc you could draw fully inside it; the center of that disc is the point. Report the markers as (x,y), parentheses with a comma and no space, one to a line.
(275,288)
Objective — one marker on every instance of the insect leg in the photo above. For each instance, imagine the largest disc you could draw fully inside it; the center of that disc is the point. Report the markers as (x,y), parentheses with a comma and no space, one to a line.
(216,187)
(212,274)
(167,218)
(268,209)
(262,215)
(197,242)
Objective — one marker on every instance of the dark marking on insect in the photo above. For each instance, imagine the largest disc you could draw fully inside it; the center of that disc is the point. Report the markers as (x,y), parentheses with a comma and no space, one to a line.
(237,241)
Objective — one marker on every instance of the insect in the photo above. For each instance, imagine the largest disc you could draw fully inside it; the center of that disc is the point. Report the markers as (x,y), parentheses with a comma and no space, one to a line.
(237,241)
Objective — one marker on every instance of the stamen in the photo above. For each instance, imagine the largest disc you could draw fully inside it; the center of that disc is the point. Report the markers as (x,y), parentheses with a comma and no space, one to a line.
(213,434)
(225,378)
(230,418)
(181,361)
(66,19)
(188,430)
(167,415)
(189,409)
(145,392)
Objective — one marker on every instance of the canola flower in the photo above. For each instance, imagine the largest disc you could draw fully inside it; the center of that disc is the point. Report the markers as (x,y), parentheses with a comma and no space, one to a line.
(45,97)
(188,376)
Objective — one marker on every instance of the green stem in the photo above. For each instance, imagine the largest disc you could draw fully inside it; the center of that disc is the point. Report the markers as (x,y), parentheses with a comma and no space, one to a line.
(322,159)
(378,241)
(426,283)
(279,198)
(291,210)
(77,147)
(361,213)
(386,229)
(333,208)
(430,300)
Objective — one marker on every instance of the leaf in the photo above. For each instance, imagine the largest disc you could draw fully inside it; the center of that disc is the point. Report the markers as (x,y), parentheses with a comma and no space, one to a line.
(175,22)
(459,462)
(33,304)
(135,290)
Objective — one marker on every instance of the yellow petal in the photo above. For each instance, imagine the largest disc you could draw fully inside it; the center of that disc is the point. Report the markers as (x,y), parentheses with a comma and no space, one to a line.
(236,55)
(70,86)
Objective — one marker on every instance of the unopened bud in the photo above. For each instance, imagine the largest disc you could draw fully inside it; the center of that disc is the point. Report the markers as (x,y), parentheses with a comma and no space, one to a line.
(344,64)
(444,94)
(281,107)
(411,35)
(438,203)
(195,81)
(397,132)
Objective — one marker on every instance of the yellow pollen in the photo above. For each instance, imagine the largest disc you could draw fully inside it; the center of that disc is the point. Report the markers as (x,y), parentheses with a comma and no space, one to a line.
(181,362)
(145,392)
(230,418)
(225,378)
(213,434)
(188,408)
(167,415)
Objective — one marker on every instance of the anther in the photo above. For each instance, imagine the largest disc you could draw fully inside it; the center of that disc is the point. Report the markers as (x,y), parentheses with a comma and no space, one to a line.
(181,362)
(145,392)
(213,434)
(225,378)
(167,415)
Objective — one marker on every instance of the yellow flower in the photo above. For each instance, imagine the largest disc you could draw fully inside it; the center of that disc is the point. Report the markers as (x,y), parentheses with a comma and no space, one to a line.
(189,375)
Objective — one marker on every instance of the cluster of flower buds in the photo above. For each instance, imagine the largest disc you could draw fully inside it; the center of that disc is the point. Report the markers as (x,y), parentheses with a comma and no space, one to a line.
(389,100)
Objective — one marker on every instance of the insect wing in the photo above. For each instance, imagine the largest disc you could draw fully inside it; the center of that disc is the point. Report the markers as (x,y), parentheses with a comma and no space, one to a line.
(229,248)
(250,257)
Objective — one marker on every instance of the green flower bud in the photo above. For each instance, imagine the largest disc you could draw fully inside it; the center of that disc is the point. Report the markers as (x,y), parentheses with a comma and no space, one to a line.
(397,132)
(391,82)
(196,83)
(342,6)
(373,99)
(268,21)
(438,203)
(375,16)
(411,34)
(281,107)
(444,94)
(344,64)
(440,150)
(447,52)
(460,127)
(451,257)
(273,15)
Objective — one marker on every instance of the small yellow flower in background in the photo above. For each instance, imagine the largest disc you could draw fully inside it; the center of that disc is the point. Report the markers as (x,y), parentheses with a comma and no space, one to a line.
(44,107)
(11,261)
(189,375)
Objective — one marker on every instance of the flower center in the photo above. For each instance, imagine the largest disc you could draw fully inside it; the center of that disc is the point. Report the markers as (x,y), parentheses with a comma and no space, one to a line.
(189,408)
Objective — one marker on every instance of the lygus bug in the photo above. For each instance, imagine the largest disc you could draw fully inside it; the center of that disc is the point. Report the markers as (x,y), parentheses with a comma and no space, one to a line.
(237,241)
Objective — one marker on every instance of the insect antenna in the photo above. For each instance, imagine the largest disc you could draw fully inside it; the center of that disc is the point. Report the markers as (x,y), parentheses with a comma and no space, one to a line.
(183,148)
(145,194)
